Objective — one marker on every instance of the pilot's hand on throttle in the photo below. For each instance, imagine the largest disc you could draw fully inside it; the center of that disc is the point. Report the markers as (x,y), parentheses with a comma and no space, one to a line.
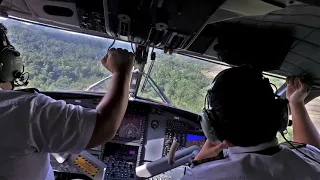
(210,150)
(118,61)
(297,91)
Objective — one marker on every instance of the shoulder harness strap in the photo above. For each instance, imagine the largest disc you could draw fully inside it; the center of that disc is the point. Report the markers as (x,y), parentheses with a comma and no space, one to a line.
(195,163)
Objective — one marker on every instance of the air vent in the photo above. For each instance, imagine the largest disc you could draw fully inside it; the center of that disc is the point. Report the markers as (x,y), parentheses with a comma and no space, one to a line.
(58,11)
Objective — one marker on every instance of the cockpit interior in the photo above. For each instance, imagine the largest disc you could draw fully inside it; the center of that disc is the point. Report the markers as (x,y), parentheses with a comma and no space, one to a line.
(175,44)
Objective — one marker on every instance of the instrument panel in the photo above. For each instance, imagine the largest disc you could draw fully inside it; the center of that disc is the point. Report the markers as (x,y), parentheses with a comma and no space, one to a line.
(145,135)
(184,133)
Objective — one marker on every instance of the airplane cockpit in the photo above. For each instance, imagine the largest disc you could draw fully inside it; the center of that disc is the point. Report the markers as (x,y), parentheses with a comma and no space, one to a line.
(178,47)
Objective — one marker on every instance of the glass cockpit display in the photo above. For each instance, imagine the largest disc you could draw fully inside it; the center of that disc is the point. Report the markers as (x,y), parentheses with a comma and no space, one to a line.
(193,139)
(130,127)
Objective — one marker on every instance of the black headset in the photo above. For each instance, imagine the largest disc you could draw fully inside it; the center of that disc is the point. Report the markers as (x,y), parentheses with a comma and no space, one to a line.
(11,68)
(209,120)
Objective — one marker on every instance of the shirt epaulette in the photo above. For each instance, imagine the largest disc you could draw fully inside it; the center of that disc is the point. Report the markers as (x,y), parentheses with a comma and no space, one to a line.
(294,145)
(198,162)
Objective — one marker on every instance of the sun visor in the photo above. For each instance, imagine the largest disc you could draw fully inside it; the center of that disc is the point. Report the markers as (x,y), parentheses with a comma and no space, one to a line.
(237,43)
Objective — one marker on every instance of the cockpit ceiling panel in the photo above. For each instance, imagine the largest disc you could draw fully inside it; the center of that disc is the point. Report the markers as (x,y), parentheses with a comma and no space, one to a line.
(303,56)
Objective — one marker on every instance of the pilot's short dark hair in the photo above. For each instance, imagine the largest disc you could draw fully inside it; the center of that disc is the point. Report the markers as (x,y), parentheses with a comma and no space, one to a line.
(243,102)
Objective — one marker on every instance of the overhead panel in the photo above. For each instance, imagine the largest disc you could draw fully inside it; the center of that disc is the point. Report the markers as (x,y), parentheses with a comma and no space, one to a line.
(168,24)
(231,9)
(91,15)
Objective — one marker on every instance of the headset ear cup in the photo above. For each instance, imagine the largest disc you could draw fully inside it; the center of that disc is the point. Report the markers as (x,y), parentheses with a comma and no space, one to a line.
(206,126)
(284,114)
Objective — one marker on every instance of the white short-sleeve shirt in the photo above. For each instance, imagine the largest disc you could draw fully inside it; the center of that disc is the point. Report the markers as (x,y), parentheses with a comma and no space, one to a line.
(34,125)
(241,164)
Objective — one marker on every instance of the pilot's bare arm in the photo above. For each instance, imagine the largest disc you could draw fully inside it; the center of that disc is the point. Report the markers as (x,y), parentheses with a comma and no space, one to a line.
(112,108)
(56,127)
(304,130)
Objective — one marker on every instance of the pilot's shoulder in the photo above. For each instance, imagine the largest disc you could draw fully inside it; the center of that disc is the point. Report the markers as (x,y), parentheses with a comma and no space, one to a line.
(293,145)
(195,163)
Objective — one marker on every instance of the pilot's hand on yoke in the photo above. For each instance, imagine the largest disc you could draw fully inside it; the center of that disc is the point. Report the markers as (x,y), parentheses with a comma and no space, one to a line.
(304,131)
(118,61)
(210,149)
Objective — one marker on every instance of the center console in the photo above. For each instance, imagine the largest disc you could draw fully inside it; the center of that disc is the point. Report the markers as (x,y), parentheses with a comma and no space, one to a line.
(124,152)
(145,135)
(121,160)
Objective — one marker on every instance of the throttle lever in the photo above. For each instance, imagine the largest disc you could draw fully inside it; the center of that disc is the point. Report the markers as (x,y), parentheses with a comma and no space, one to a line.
(172,151)
(159,166)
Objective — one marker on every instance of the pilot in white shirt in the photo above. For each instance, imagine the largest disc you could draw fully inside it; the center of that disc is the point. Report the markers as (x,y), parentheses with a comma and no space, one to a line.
(242,144)
(34,125)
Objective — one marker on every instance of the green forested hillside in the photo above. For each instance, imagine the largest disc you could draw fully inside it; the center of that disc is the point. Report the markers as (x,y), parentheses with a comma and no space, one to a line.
(60,60)
(57,60)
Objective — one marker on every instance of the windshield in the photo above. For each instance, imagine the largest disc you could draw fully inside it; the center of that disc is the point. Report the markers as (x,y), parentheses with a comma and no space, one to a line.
(59,60)
(184,80)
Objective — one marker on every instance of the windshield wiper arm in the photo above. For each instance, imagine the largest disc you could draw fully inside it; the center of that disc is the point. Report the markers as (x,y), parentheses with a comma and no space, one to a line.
(153,58)
(93,86)
(154,86)
(157,89)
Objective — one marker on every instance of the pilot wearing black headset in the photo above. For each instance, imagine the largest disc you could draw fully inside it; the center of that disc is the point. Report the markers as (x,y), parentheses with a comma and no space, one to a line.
(11,68)
(241,120)
(33,125)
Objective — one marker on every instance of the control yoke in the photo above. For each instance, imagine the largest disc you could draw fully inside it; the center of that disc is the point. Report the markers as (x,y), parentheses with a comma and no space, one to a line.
(167,163)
